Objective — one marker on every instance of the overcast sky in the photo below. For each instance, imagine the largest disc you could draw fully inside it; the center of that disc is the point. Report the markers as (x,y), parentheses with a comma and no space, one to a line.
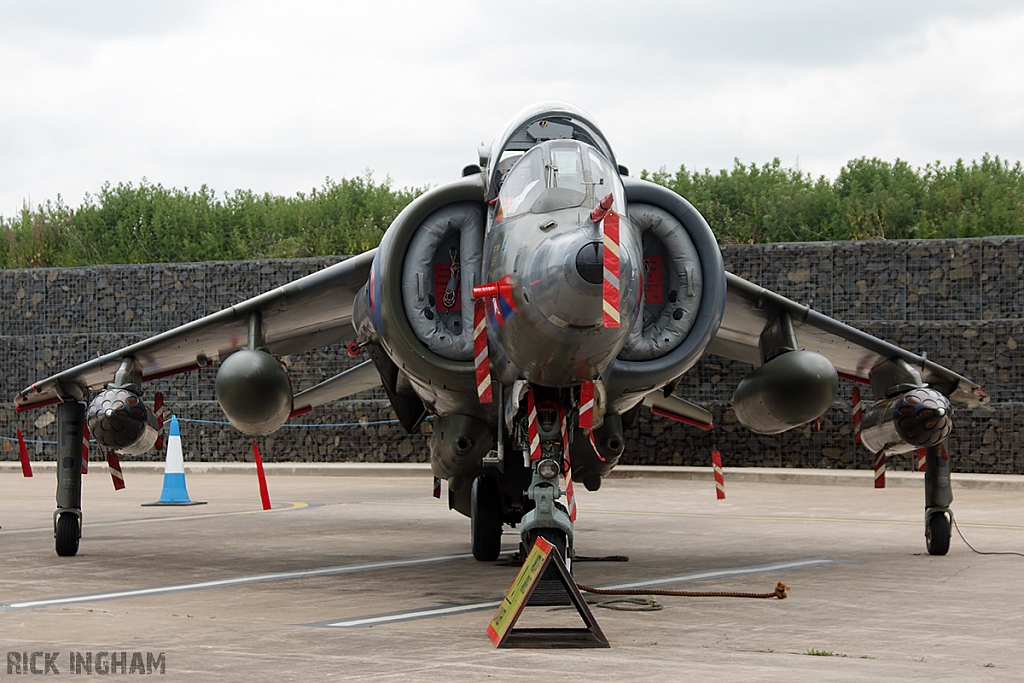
(275,96)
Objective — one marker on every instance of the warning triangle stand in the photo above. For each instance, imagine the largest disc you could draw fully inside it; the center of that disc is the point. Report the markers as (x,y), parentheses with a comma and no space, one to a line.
(502,631)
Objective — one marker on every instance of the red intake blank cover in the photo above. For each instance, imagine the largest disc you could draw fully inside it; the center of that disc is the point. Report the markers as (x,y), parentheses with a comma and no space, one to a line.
(442,274)
(653,293)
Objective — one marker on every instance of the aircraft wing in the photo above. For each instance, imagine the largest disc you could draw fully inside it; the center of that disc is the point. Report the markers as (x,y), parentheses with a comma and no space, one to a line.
(311,312)
(748,308)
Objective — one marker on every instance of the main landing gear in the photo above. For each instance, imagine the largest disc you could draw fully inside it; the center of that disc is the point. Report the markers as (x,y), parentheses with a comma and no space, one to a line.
(485,520)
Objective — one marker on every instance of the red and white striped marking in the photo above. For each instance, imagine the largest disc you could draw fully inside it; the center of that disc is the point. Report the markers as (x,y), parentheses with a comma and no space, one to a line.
(716,463)
(264,492)
(593,444)
(437,487)
(920,463)
(880,470)
(85,449)
(587,405)
(26,465)
(858,413)
(534,435)
(116,475)
(569,494)
(480,358)
(612,296)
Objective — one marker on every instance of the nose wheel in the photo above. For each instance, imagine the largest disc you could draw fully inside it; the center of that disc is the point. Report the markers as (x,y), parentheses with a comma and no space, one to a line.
(555,537)
(485,519)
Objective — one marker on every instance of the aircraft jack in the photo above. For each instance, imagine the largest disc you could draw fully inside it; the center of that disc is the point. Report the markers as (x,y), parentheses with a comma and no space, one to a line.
(502,631)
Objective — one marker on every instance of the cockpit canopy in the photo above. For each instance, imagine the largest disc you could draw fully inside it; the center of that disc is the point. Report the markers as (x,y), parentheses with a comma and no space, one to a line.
(558,174)
(546,121)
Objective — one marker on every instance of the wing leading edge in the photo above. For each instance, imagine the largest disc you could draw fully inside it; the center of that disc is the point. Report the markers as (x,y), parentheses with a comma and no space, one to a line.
(749,308)
(311,312)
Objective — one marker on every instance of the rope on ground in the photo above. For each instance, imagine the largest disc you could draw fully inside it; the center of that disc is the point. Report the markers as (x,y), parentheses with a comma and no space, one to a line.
(645,604)
(779,592)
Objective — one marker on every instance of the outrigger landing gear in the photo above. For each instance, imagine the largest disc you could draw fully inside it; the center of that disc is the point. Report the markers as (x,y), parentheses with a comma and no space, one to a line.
(485,519)
(938,495)
(67,520)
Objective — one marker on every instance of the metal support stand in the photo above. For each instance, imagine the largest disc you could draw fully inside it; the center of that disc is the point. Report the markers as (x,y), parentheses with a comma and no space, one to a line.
(67,520)
(938,496)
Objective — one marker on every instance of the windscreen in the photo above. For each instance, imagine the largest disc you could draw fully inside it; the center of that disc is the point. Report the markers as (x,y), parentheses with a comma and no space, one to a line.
(558,175)
(522,186)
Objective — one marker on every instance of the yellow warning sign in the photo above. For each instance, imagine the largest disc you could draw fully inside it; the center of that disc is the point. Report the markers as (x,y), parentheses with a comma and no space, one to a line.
(513,602)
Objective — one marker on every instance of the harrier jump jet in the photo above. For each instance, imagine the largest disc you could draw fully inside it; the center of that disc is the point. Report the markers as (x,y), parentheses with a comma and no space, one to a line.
(532,308)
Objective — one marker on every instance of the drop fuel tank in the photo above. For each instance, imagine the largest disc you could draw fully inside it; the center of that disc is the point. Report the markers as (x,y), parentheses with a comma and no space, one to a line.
(787,391)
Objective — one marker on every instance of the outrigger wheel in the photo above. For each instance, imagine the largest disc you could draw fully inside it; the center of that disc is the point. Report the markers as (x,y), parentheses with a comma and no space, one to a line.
(937,533)
(485,519)
(66,533)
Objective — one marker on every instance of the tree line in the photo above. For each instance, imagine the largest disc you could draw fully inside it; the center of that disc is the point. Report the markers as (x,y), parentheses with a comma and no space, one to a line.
(149,223)
(869,199)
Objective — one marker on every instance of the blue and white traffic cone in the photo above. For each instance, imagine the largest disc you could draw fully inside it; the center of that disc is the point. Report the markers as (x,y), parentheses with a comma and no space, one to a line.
(174,492)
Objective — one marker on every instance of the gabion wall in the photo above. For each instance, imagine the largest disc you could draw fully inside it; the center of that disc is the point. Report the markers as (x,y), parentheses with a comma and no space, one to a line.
(961,301)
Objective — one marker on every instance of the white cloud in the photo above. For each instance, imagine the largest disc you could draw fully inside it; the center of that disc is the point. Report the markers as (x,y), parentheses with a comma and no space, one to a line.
(275,97)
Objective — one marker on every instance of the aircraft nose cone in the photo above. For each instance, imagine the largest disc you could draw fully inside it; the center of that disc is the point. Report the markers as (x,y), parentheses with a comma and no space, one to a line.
(590,264)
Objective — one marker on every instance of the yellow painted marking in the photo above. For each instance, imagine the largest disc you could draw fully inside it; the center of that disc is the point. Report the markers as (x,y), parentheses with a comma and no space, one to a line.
(770,518)
(756,518)
(207,515)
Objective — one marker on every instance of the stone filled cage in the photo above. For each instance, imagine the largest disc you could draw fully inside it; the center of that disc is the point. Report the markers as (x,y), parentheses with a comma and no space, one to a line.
(961,301)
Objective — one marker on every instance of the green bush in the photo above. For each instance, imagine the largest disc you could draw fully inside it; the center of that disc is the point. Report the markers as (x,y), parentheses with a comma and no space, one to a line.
(869,199)
(149,223)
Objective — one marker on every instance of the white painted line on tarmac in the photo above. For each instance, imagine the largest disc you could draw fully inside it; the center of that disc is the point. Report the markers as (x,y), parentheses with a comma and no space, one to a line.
(409,615)
(444,611)
(718,574)
(237,581)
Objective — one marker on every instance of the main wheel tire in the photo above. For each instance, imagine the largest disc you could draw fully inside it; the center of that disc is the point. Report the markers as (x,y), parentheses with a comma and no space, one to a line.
(485,520)
(67,534)
(937,533)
